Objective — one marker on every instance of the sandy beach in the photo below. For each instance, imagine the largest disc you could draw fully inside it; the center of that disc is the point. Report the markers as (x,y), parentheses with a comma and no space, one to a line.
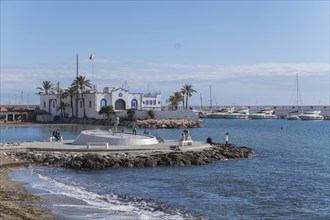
(15,202)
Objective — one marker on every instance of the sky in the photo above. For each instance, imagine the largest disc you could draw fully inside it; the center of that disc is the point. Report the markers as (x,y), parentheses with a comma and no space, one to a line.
(231,52)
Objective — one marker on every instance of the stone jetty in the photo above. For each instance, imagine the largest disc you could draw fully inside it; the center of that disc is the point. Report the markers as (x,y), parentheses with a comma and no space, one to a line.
(168,123)
(97,160)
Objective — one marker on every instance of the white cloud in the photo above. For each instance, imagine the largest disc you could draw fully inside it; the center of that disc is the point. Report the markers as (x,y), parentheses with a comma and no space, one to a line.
(241,82)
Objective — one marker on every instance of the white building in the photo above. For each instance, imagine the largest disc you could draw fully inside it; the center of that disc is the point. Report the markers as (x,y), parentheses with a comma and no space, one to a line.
(119,98)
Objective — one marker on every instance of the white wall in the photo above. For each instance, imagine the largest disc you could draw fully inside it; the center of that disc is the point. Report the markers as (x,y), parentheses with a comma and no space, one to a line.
(181,114)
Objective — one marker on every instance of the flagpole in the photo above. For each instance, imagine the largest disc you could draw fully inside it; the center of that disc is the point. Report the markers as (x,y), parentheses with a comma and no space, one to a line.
(91,57)
(77,66)
(93,71)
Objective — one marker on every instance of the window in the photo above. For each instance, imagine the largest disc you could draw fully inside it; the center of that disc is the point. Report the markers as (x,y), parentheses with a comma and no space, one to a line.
(154,102)
(44,104)
(147,103)
(81,104)
(134,104)
(90,104)
(103,102)
(53,104)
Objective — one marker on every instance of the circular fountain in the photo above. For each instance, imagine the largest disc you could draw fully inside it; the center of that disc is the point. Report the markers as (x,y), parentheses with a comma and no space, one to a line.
(104,136)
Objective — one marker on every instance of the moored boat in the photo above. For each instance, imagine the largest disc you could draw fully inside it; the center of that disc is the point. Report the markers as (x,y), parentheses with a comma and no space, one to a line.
(242,113)
(264,114)
(221,113)
(311,115)
(293,116)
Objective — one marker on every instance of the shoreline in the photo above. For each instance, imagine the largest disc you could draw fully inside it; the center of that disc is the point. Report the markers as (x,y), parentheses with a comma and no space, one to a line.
(15,201)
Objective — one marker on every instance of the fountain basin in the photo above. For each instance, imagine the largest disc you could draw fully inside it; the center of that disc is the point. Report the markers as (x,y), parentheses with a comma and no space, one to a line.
(104,136)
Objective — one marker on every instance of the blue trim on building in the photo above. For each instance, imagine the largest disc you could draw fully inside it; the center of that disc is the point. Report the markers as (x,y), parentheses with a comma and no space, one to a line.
(103,102)
(134,104)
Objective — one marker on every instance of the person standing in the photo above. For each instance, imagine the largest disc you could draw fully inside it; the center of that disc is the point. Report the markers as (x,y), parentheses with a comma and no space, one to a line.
(135,127)
(227,138)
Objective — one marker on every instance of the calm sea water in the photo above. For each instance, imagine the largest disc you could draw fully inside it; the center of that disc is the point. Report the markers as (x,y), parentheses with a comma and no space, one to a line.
(288,179)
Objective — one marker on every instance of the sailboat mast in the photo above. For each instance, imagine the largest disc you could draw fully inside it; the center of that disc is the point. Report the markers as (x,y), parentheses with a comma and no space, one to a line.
(201,101)
(297,91)
(77,66)
(210,97)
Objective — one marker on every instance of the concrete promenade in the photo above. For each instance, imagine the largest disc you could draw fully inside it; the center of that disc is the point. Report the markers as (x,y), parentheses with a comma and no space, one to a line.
(67,146)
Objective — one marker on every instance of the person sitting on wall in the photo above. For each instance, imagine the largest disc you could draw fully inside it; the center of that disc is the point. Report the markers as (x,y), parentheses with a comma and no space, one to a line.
(54,134)
(209,140)
(186,135)
(57,135)
(183,136)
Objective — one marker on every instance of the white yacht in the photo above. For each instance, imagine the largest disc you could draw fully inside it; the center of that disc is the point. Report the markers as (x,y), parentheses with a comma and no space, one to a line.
(264,114)
(221,113)
(293,116)
(242,113)
(311,115)
(200,113)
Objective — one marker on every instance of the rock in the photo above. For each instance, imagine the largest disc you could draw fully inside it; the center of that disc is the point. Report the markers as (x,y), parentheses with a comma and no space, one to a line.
(152,123)
(96,161)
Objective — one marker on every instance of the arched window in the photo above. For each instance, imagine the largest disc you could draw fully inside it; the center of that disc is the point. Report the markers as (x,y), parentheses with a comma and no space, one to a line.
(90,104)
(134,104)
(103,102)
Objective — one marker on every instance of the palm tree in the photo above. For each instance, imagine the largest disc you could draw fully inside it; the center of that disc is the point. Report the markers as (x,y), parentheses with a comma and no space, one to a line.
(175,99)
(62,106)
(46,88)
(81,84)
(183,92)
(70,92)
(188,90)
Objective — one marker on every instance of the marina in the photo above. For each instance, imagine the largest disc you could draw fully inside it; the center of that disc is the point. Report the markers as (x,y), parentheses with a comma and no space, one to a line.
(266,112)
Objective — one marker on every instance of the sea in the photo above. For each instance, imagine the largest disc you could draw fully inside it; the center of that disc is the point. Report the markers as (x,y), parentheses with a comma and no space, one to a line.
(289,178)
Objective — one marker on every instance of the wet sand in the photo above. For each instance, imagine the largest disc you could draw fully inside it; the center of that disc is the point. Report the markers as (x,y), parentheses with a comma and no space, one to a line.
(15,202)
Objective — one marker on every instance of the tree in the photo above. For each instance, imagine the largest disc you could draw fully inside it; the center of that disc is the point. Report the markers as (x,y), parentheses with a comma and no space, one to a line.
(151,114)
(188,90)
(70,92)
(130,114)
(107,111)
(62,107)
(81,85)
(174,100)
(183,93)
(46,88)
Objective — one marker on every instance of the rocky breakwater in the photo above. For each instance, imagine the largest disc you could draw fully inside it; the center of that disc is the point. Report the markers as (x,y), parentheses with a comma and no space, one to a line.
(98,160)
(169,123)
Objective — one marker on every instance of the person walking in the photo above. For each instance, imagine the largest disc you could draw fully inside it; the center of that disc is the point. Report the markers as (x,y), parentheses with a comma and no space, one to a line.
(227,138)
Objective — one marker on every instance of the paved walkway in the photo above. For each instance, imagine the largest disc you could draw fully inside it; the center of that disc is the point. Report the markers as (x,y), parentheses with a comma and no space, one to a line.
(69,147)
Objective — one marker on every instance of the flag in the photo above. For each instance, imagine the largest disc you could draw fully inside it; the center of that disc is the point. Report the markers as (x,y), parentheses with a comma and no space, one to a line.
(91,57)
